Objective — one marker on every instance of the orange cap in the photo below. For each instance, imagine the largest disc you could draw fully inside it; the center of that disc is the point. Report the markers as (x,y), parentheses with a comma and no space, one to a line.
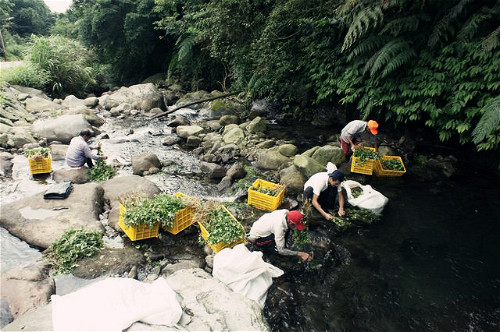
(373,126)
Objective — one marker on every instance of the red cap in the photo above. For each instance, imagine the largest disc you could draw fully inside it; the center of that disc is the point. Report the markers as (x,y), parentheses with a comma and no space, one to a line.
(295,217)
(373,126)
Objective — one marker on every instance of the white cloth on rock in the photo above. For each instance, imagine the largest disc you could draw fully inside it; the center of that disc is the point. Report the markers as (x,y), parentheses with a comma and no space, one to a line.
(370,198)
(245,272)
(114,304)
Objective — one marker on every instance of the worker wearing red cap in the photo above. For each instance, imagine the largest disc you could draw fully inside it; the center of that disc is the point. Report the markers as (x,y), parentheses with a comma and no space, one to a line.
(350,136)
(270,230)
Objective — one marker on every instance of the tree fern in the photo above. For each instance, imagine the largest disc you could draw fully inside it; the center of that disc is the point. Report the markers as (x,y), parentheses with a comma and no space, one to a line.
(367,46)
(183,52)
(489,121)
(401,25)
(365,20)
(390,57)
(444,26)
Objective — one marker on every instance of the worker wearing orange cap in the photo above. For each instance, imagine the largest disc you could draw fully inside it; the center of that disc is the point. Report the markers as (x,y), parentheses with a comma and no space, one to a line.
(350,136)
(270,230)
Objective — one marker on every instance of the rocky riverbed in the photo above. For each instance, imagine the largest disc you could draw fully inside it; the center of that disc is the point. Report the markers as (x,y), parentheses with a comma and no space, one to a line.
(204,150)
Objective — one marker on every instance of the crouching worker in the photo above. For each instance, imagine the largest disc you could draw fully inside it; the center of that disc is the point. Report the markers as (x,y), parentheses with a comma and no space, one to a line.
(270,230)
(79,153)
(323,189)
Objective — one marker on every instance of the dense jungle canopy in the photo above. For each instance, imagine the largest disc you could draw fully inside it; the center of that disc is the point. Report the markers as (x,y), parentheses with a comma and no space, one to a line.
(431,65)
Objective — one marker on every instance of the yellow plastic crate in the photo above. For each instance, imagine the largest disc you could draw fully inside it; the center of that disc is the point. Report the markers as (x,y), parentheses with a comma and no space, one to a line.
(140,232)
(221,245)
(183,218)
(40,166)
(365,167)
(381,171)
(263,201)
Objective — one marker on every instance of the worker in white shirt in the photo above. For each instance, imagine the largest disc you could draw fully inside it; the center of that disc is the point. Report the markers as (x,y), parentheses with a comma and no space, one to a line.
(270,230)
(79,152)
(323,189)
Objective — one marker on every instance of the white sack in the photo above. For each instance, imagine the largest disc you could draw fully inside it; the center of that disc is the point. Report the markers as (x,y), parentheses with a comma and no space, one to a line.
(114,304)
(370,199)
(245,272)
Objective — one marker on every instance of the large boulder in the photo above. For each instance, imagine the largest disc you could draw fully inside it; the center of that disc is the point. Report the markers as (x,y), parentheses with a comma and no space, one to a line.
(26,287)
(293,179)
(62,128)
(308,166)
(37,104)
(40,222)
(147,163)
(140,96)
(271,159)
(186,131)
(329,153)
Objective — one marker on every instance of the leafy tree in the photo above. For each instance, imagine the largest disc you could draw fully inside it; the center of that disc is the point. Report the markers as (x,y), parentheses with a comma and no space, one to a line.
(31,17)
(123,35)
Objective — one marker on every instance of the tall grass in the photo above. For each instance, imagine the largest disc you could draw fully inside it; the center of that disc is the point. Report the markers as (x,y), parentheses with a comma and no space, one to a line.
(67,62)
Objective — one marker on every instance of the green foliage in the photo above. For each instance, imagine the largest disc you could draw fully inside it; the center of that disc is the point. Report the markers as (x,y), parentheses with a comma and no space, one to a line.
(31,17)
(353,215)
(66,61)
(161,209)
(27,74)
(101,171)
(123,35)
(64,254)
(300,239)
(488,126)
(221,227)
(37,153)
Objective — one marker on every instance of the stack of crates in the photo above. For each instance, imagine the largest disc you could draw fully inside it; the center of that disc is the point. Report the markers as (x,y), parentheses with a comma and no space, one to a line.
(264,201)
(182,220)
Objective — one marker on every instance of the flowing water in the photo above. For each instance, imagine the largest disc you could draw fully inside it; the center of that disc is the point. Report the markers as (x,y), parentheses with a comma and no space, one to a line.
(430,264)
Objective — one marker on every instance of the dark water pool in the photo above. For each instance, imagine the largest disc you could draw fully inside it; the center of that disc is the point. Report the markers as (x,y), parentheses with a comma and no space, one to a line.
(432,263)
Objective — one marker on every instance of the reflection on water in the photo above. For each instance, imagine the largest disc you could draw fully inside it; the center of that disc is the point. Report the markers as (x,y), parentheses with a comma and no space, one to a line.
(15,252)
(430,264)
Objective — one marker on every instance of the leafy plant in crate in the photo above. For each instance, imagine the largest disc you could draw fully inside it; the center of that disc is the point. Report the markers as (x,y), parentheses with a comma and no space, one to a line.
(140,210)
(37,154)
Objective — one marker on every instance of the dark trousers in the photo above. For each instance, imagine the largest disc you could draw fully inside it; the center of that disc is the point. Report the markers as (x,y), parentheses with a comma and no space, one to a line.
(89,163)
(328,198)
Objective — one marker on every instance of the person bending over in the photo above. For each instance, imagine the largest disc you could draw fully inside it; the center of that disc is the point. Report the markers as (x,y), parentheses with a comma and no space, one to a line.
(270,231)
(79,152)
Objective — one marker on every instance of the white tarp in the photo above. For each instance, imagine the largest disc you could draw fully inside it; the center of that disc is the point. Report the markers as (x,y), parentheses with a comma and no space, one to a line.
(245,272)
(370,198)
(114,304)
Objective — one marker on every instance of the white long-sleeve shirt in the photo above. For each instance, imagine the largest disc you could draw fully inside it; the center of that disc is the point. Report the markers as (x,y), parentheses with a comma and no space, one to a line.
(273,223)
(78,152)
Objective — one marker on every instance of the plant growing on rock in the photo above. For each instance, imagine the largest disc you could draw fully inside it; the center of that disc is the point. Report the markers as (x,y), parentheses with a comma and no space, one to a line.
(72,246)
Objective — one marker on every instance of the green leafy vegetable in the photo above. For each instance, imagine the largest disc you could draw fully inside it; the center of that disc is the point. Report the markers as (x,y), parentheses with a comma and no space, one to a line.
(140,210)
(72,246)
